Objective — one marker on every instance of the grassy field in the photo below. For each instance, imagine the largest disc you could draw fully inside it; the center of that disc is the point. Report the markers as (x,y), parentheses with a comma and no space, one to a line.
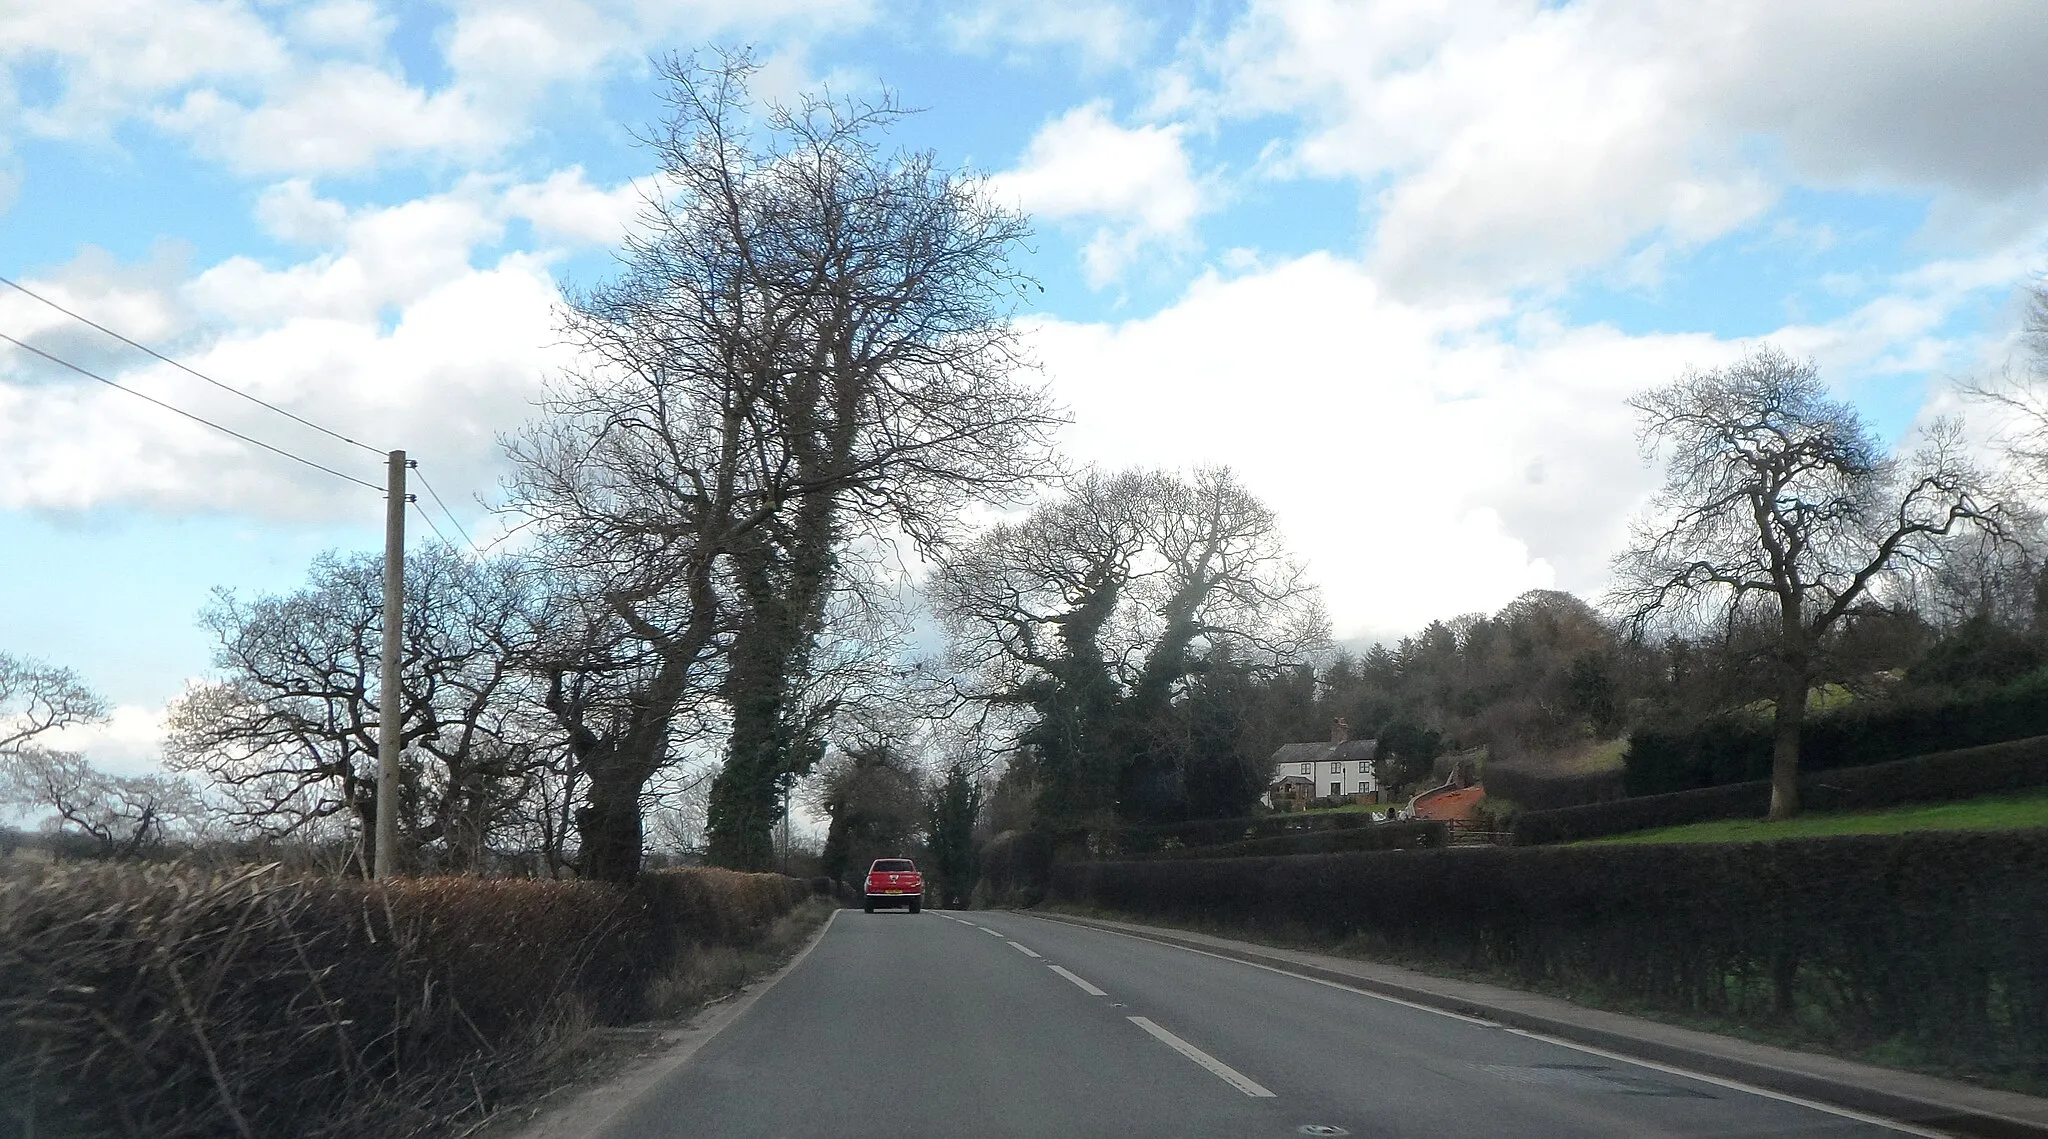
(1988,813)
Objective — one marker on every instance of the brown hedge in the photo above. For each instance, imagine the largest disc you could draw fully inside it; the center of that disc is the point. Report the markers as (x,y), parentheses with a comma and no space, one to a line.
(1931,941)
(171,1002)
(1938,777)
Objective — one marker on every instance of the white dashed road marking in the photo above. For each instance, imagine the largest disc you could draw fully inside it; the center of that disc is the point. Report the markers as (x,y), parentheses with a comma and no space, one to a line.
(1091,990)
(1222,1071)
(1021,949)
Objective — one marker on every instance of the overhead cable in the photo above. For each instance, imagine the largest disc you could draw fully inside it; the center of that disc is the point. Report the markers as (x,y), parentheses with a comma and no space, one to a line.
(444,507)
(429,519)
(19,287)
(91,375)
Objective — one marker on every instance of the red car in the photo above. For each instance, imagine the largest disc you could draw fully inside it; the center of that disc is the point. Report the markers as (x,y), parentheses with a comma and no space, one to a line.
(894,882)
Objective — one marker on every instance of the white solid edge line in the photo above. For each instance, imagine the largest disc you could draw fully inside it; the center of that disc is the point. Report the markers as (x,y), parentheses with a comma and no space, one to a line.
(1022,949)
(1091,990)
(1221,1070)
(1733,1085)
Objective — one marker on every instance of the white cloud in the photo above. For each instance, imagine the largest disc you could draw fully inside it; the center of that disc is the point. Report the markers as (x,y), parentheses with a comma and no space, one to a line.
(1425,458)
(309,88)
(1101,32)
(353,25)
(341,117)
(1512,143)
(117,56)
(130,742)
(1135,184)
(290,211)
(397,337)
(567,207)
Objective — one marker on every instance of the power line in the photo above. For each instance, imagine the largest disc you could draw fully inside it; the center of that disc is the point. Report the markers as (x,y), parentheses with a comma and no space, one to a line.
(63,363)
(444,507)
(16,285)
(415,500)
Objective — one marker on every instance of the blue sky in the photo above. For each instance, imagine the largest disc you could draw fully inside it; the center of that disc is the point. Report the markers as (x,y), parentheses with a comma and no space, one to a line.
(1399,263)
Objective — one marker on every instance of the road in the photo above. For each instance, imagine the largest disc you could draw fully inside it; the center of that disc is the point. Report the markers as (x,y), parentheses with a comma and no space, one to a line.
(1002,1024)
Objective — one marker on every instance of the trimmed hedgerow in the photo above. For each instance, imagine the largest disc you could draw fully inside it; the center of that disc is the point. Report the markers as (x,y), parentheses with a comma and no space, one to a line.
(1737,749)
(1215,832)
(1535,791)
(1415,834)
(1930,941)
(171,1002)
(1960,774)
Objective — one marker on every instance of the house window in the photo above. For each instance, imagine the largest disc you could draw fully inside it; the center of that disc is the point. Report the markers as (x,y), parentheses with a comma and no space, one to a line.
(1308,769)
(1336,789)
(1336,769)
(1364,788)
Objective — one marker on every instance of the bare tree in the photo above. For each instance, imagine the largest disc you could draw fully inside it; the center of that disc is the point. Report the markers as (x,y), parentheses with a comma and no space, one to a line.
(1779,505)
(123,815)
(809,341)
(37,698)
(289,735)
(1090,615)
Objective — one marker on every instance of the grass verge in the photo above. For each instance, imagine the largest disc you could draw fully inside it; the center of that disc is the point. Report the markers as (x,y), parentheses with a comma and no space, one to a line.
(582,1055)
(1887,1054)
(1985,813)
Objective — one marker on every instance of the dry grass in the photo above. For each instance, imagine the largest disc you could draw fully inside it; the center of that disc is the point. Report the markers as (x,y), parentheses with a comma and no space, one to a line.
(170,1001)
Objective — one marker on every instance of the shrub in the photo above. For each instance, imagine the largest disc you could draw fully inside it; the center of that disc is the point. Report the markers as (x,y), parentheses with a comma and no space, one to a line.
(171,1002)
(1931,941)
(1533,791)
(1410,835)
(1737,748)
(1942,776)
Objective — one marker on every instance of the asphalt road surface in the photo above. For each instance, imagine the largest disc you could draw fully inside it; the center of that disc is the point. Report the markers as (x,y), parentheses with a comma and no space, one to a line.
(981,1024)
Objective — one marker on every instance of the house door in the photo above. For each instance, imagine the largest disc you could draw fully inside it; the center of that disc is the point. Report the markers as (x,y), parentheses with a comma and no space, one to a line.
(1336,790)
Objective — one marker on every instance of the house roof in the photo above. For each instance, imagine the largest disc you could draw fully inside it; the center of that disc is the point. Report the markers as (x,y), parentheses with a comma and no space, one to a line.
(1324,752)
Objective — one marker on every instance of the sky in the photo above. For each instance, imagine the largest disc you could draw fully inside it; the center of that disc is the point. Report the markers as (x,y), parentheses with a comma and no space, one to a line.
(1397,263)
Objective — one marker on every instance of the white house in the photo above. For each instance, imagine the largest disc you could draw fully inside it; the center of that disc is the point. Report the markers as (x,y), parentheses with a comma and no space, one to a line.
(1341,767)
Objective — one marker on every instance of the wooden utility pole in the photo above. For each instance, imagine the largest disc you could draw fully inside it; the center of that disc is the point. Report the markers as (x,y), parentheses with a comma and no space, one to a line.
(390,710)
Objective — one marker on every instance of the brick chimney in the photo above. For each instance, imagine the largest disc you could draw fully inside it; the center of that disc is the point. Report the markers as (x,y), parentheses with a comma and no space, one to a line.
(1340,730)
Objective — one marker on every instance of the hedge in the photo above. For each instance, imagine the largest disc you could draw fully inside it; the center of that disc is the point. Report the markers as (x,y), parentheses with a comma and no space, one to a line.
(1737,749)
(171,1002)
(1927,941)
(1940,777)
(1415,834)
(1214,832)
(1534,791)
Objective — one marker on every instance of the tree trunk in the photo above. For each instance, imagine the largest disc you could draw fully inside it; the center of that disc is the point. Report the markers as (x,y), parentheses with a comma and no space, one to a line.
(1785,726)
(609,830)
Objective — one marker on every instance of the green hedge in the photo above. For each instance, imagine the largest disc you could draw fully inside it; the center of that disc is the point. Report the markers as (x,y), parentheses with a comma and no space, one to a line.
(1416,834)
(1215,832)
(170,1002)
(1928,941)
(1737,749)
(1940,777)
(1534,791)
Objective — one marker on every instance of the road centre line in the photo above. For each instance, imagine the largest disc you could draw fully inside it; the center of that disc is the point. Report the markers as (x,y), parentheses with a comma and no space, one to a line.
(1221,1070)
(1091,990)
(1022,949)
(1732,1085)
(987,930)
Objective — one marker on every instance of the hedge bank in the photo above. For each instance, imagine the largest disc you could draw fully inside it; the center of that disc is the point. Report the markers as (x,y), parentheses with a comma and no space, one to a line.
(1737,749)
(1930,942)
(1940,777)
(169,1002)
(1418,834)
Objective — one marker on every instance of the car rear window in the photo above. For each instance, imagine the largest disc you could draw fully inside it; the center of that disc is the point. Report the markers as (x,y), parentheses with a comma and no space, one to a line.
(897,865)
